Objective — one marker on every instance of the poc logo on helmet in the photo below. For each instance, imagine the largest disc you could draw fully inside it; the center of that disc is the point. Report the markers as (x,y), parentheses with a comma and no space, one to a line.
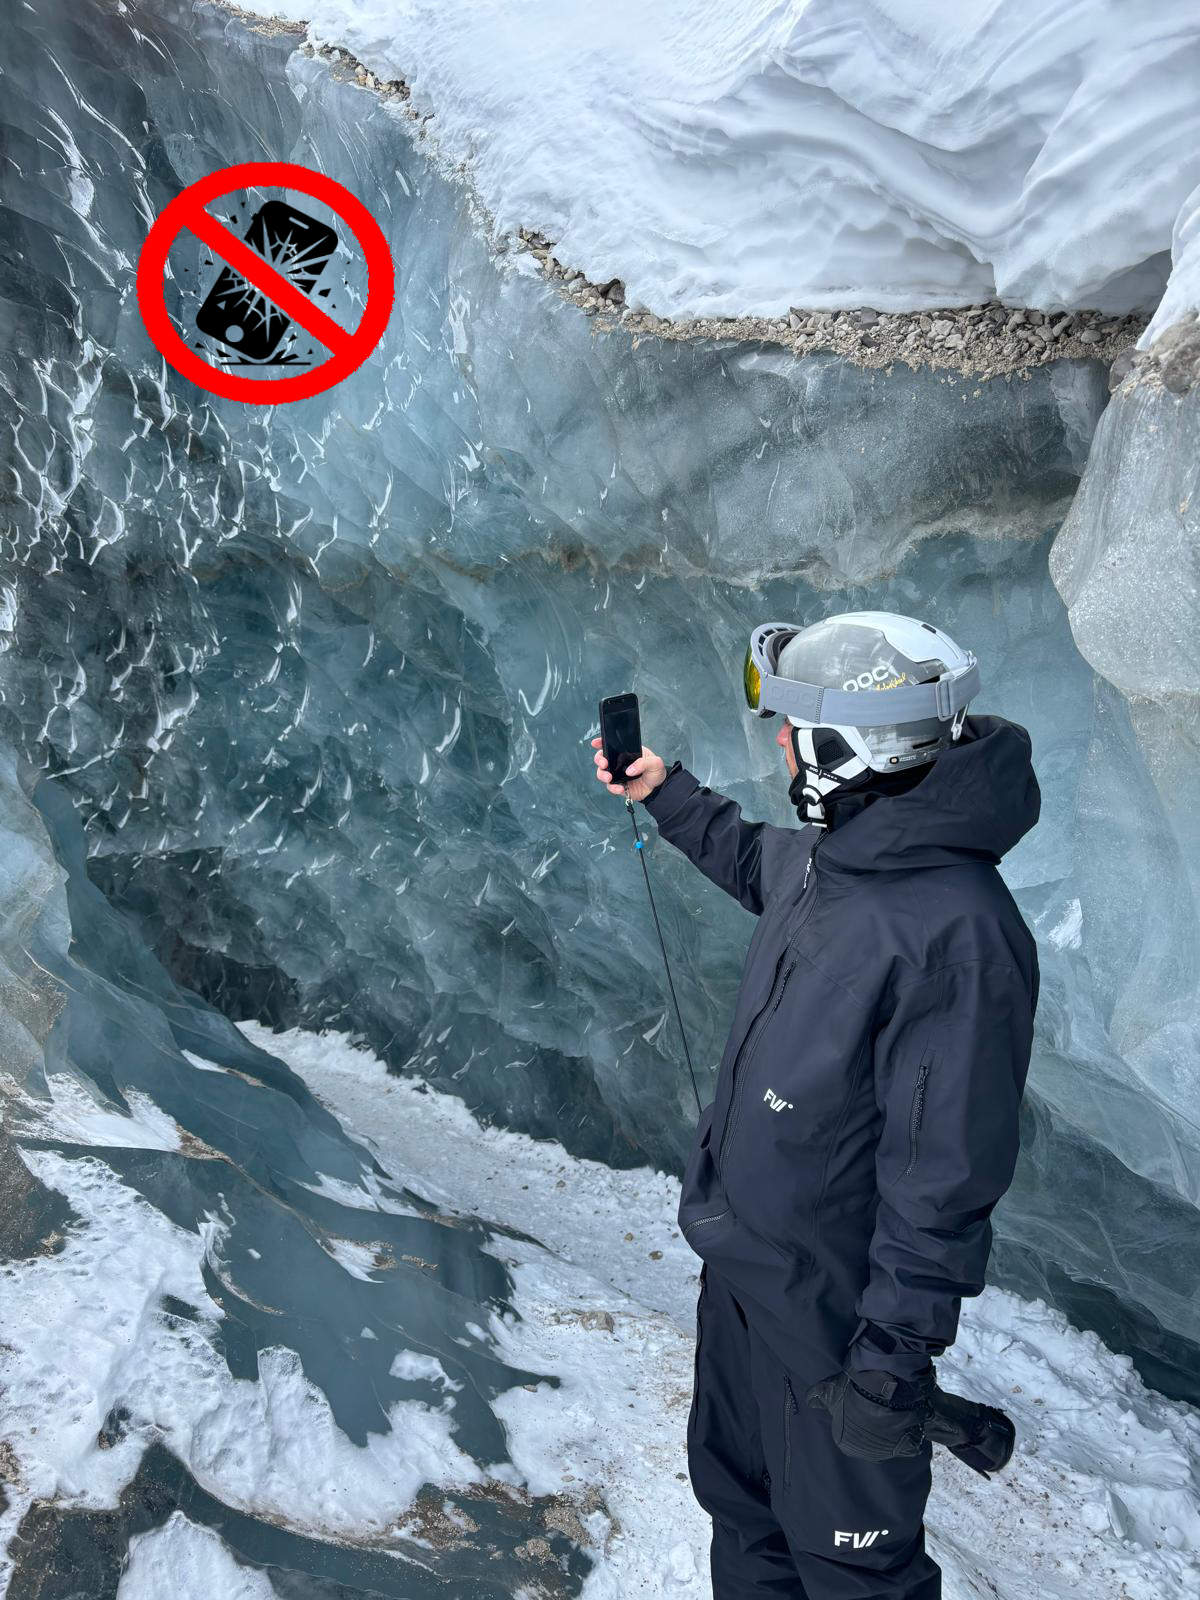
(859,1541)
(872,679)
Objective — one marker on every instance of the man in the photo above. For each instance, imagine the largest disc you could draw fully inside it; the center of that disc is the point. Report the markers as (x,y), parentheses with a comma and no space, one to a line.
(864,1124)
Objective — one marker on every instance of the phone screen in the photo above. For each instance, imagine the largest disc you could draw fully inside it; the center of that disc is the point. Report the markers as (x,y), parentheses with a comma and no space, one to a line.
(621,732)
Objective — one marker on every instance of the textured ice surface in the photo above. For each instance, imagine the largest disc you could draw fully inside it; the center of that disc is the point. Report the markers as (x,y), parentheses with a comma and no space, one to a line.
(319,682)
(1127,563)
(740,158)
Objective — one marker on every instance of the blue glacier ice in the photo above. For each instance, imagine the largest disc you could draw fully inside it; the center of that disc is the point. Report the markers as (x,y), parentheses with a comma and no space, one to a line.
(309,691)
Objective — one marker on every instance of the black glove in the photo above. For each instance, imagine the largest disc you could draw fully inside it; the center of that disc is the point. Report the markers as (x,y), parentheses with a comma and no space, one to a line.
(978,1435)
(876,1416)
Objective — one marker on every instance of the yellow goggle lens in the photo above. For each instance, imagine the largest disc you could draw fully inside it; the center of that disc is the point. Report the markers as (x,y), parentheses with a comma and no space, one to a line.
(751,682)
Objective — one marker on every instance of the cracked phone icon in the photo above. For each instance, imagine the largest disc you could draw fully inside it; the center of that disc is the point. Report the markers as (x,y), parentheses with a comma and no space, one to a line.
(241,317)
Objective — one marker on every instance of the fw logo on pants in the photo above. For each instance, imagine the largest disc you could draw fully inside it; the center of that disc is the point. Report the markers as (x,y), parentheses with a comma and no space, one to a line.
(859,1541)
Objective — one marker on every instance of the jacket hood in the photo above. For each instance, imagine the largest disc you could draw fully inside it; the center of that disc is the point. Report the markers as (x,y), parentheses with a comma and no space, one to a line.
(975,802)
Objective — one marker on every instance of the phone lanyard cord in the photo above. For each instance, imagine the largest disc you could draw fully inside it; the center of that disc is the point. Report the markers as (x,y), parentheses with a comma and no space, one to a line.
(639,846)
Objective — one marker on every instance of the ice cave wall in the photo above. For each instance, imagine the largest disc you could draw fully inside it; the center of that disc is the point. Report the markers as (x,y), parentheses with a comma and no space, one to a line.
(319,681)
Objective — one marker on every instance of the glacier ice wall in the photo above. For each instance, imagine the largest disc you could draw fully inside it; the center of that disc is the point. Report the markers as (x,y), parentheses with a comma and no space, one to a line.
(735,160)
(319,681)
(1127,565)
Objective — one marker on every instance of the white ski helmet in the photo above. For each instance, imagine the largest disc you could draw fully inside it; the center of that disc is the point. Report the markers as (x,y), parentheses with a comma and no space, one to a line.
(864,691)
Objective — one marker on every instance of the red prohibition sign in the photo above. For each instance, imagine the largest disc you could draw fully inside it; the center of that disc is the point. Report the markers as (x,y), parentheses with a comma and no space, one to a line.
(187,211)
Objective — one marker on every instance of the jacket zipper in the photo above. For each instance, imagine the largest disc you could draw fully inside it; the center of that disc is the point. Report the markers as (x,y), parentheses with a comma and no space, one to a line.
(763,1017)
(918,1111)
(789,1408)
(699,1341)
(747,1050)
(810,865)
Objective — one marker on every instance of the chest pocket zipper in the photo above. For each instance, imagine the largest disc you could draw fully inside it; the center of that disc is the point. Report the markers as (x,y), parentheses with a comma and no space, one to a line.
(917,1113)
(700,1221)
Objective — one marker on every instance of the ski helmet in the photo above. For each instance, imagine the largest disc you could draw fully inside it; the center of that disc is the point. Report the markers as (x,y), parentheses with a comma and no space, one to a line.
(919,682)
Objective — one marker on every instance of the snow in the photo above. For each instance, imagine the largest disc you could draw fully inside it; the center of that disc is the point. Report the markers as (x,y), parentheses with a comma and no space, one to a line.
(737,159)
(75,1115)
(1102,1499)
(1182,298)
(84,1331)
(188,1563)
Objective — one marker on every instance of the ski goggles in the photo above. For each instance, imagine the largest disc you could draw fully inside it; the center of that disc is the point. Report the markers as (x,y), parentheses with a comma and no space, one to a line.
(767,694)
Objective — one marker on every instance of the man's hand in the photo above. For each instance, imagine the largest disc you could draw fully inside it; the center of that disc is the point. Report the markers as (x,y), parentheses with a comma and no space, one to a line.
(644,775)
(979,1435)
(876,1416)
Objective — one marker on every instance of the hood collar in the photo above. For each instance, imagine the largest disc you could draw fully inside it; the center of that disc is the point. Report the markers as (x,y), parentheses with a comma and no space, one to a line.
(974,803)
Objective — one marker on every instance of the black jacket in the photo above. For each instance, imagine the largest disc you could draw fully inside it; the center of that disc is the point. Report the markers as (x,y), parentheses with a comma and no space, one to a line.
(865,1120)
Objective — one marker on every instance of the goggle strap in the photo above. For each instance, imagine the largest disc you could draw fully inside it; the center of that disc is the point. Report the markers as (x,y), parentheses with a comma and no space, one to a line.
(869,708)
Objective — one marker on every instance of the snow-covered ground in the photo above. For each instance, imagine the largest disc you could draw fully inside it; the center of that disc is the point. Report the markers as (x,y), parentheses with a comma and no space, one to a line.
(735,159)
(1102,1500)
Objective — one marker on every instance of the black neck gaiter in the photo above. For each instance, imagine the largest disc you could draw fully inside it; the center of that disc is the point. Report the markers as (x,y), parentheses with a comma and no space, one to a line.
(843,804)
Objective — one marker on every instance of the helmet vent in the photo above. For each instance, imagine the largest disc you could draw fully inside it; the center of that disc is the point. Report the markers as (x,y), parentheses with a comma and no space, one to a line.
(829,748)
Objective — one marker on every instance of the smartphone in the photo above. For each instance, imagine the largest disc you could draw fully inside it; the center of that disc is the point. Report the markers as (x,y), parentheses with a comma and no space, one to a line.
(239,316)
(620,733)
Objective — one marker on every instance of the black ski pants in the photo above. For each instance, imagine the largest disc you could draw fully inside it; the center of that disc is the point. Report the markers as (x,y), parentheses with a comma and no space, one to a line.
(792,1515)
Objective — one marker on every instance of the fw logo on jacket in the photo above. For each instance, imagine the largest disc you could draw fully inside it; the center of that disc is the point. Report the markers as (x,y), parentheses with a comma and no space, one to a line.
(859,1541)
(775,1103)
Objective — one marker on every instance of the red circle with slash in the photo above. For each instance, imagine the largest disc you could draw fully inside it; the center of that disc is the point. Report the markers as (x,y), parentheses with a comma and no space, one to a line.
(348,350)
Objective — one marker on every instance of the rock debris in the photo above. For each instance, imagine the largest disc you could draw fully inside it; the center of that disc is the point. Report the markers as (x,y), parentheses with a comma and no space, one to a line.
(981,340)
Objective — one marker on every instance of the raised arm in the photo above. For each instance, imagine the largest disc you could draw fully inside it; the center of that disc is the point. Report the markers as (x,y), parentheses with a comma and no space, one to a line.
(708,828)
